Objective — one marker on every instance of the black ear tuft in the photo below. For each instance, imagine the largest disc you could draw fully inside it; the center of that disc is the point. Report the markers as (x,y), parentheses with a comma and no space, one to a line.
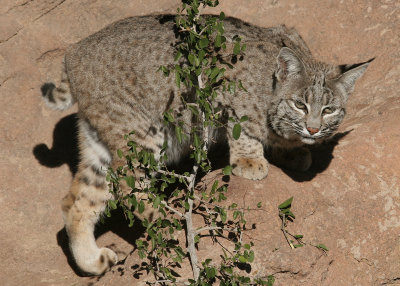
(350,74)
(345,68)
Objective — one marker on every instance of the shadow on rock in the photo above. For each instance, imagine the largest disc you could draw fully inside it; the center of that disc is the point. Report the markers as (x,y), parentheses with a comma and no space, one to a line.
(116,223)
(65,146)
(321,156)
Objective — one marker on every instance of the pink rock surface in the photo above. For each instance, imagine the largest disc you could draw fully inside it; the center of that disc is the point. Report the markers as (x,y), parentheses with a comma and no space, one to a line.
(349,201)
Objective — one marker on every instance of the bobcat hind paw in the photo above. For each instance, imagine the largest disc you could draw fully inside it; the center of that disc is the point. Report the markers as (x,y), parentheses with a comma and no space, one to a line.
(101,264)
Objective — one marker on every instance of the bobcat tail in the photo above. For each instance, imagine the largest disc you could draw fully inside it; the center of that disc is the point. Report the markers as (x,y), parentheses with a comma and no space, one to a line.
(58,98)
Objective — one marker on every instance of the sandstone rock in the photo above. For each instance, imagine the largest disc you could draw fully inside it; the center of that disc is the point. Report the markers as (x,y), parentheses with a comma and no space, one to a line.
(348,201)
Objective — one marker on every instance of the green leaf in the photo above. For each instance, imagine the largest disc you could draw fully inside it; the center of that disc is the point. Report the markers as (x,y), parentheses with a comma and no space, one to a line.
(290,214)
(220,74)
(194,109)
(130,181)
(120,153)
(191,58)
(286,204)
(214,186)
(298,236)
(201,55)
(223,215)
(227,170)
(141,253)
(241,86)
(168,116)
(244,118)
(163,186)
(322,246)
(179,252)
(196,141)
(222,16)
(297,245)
(198,70)
(271,280)
(218,41)
(133,202)
(232,87)
(157,202)
(164,70)
(141,207)
(131,218)
(177,80)
(203,43)
(210,272)
(243,47)
(187,206)
(112,204)
(178,56)
(251,256)
(242,259)
(214,72)
(236,48)
(237,129)
(259,205)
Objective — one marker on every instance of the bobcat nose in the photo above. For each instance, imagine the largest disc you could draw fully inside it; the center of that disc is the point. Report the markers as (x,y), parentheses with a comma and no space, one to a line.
(312,130)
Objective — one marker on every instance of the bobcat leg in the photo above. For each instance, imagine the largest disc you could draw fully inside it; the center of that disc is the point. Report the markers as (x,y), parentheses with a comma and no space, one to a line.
(86,201)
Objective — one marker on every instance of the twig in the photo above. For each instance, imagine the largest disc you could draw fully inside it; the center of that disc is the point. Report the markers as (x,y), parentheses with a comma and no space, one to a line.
(283,228)
(214,228)
(187,178)
(164,203)
(189,227)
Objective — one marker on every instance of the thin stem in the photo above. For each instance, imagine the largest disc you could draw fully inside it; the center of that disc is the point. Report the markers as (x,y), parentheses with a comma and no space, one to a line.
(186,178)
(164,203)
(283,228)
(190,239)
(215,228)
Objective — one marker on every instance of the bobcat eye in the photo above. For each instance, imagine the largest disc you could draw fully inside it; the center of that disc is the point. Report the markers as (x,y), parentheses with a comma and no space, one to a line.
(301,106)
(327,111)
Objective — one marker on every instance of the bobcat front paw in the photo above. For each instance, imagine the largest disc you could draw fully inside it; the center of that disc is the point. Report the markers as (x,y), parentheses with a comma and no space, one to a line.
(250,168)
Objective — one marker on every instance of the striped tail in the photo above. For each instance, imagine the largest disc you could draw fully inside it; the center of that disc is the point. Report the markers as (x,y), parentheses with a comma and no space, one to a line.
(58,98)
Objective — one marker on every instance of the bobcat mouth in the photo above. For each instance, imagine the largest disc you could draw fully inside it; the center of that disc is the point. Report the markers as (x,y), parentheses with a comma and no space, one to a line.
(308,140)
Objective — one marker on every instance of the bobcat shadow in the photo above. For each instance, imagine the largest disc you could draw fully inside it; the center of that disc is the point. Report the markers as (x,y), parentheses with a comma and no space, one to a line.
(322,156)
(65,146)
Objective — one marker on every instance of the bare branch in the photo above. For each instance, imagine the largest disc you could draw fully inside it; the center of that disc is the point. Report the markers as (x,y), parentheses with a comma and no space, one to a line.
(164,203)
(215,228)
(173,174)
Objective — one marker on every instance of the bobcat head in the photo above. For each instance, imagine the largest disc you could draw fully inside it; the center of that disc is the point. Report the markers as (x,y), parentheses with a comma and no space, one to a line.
(310,97)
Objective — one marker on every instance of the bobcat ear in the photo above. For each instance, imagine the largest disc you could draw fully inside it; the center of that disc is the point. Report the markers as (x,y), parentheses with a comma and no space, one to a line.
(350,73)
(289,65)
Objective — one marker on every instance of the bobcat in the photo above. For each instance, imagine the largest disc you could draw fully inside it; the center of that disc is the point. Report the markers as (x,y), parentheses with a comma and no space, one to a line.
(292,100)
